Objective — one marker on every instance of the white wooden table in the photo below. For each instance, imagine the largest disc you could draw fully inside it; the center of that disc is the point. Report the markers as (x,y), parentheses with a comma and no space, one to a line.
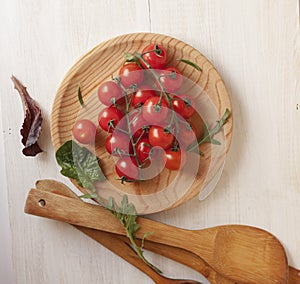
(255,45)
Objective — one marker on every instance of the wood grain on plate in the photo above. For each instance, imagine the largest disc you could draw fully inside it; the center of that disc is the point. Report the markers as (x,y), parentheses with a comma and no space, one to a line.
(168,189)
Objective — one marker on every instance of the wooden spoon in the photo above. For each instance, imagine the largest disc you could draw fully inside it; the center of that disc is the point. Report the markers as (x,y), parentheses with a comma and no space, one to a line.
(243,253)
(109,240)
(182,256)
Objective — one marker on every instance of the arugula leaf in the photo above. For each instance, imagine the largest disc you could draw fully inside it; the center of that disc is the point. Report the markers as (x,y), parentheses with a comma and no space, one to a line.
(132,58)
(208,136)
(144,237)
(110,203)
(80,164)
(80,99)
(197,67)
(126,214)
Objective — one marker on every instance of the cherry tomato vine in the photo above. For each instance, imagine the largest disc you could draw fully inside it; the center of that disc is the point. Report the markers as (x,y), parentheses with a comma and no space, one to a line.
(141,118)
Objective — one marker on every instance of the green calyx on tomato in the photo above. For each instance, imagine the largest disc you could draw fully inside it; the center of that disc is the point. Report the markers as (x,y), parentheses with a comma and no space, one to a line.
(171,79)
(127,169)
(155,110)
(183,105)
(155,55)
(131,74)
(159,137)
(109,93)
(137,139)
(149,119)
(109,117)
(141,95)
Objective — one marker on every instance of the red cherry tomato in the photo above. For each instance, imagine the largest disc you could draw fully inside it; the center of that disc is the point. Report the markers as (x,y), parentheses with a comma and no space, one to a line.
(130,74)
(146,152)
(155,55)
(158,136)
(141,95)
(126,167)
(84,131)
(109,118)
(109,93)
(183,105)
(155,110)
(187,134)
(143,149)
(175,159)
(171,79)
(139,126)
(118,144)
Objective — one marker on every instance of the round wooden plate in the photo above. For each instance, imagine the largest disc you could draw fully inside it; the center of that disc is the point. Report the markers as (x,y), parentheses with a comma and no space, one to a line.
(169,188)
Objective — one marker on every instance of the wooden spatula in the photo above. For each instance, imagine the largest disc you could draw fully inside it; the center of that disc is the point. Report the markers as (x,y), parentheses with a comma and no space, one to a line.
(182,256)
(246,254)
(112,242)
(115,243)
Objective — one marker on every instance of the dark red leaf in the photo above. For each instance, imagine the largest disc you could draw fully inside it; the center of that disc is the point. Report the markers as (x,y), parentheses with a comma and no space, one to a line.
(32,125)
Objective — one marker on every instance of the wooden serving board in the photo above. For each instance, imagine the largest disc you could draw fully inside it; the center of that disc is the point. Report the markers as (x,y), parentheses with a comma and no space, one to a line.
(169,188)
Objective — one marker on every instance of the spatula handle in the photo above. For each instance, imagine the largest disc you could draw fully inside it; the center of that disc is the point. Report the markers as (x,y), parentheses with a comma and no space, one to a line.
(71,210)
(76,212)
(202,243)
(294,275)
(121,244)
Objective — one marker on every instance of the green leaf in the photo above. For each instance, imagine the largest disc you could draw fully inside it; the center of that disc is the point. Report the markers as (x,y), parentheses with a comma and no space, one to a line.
(132,58)
(110,203)
(225,117)
(124,201)
(80,164)
(191,64)
(145,236)
(88,195)
(131,223)
(80,97)
(131,209)
(208,136)
(135,227)
(215,142)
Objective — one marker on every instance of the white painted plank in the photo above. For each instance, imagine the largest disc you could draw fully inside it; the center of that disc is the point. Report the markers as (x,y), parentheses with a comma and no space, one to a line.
(6,270)
(40,41)
(254,45)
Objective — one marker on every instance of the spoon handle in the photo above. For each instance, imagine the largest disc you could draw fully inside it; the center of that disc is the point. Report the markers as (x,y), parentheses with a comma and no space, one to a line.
(224,248)
(76,212)
(115,243)
(294,275)
(182,256)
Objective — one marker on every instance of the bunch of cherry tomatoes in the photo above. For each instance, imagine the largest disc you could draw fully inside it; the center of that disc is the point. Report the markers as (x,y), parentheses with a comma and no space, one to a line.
(146,116)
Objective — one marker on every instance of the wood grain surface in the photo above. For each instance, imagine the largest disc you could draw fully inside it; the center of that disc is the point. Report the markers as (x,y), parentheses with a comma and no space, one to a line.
(121,245)
(242,253)
(254,45)
(169,188)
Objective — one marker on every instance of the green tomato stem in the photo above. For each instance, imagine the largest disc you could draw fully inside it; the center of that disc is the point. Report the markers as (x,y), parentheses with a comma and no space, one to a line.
(127,102)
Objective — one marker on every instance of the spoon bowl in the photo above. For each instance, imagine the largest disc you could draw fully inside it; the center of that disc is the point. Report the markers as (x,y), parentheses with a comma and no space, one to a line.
(243,253)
